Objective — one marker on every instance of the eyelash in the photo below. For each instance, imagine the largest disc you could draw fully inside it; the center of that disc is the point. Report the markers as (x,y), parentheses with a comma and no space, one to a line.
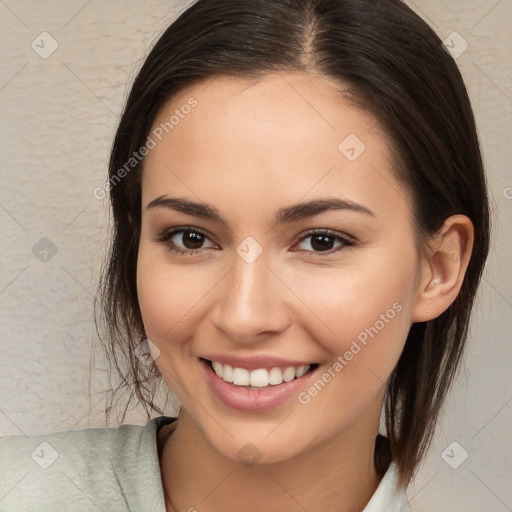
(166,236)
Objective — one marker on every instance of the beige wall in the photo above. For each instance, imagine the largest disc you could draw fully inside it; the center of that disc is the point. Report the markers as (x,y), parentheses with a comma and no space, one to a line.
(58,115)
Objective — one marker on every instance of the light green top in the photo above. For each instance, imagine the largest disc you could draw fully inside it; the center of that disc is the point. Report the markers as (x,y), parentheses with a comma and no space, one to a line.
(112,469)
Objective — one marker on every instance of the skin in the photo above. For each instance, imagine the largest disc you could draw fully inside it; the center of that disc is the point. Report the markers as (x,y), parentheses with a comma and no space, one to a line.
(249,148)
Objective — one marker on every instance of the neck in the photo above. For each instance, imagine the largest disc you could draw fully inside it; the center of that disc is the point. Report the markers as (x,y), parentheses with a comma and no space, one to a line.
(338,474)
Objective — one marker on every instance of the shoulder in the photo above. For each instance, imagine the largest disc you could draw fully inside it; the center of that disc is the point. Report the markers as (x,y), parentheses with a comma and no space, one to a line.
(93,467)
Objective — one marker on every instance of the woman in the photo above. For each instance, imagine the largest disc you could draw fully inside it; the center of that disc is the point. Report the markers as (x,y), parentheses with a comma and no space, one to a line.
(300,226)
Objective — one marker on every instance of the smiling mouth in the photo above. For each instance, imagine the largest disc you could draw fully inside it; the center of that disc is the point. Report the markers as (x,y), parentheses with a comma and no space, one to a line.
(261,378)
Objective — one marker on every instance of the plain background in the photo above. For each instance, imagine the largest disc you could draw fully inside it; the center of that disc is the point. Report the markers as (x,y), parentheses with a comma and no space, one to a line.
(58,116)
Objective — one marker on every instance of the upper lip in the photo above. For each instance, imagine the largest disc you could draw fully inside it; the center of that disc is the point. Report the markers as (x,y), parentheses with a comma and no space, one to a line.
(254,362)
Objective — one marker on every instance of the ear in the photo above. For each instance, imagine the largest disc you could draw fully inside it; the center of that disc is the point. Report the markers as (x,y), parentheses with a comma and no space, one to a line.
(444,268)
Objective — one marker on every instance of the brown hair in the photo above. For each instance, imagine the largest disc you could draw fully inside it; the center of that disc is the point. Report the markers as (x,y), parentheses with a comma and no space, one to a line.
(396,68)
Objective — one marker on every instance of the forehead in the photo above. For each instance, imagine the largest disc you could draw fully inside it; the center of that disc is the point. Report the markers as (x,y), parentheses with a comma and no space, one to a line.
(276,139)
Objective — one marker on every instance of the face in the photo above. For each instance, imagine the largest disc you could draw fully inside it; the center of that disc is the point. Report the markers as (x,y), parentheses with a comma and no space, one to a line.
(254,278)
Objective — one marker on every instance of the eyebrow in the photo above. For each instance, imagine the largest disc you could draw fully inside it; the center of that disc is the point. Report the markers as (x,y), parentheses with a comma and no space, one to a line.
(287,214)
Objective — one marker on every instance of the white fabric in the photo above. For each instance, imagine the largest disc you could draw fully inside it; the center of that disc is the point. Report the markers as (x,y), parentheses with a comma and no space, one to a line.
(108,470)
(387,497)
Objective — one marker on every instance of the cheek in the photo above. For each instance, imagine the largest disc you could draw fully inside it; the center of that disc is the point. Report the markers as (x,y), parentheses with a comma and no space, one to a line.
(363,325)
(361,312)
(169,296)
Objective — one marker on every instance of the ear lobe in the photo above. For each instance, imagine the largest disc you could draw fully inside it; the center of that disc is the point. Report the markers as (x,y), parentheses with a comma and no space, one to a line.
(444,268)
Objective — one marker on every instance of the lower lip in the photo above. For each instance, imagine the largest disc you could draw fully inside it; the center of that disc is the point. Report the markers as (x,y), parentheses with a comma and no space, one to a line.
(253,400)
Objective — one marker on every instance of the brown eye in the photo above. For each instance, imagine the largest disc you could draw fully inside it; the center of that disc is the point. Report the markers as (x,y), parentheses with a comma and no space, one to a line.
(183,240)
(192,239)
(325,242)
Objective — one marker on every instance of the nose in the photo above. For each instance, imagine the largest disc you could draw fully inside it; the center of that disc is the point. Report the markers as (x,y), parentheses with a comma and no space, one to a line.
(251,304)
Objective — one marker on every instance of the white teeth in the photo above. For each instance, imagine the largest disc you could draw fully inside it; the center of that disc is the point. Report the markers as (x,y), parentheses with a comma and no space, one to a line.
(259,378)
(227,373)
(240,376)
(218,368)
(289,374)
(275,376)
(301,370)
